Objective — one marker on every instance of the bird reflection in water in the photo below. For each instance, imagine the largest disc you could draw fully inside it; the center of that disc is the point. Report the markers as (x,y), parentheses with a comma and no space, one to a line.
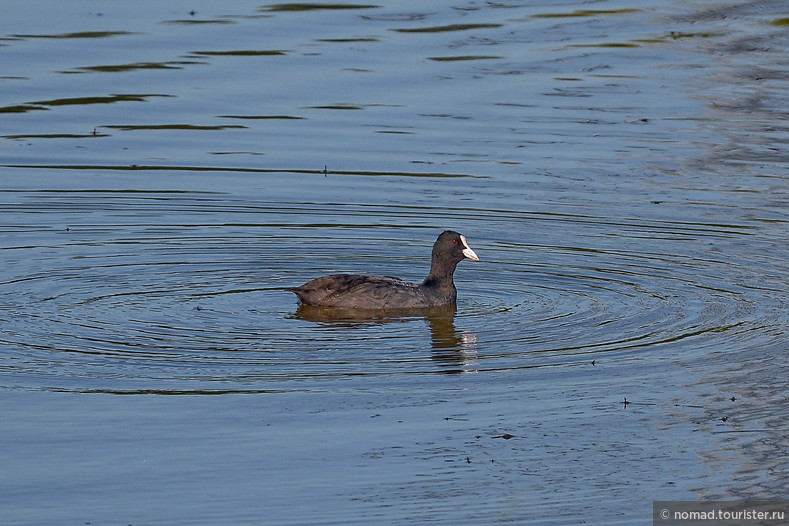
(453,350)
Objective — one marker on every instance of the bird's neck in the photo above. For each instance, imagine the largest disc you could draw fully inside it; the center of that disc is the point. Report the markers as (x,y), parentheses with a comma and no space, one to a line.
(440,276)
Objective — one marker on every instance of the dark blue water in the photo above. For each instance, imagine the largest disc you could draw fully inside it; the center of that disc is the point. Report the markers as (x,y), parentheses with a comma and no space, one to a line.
(166,171)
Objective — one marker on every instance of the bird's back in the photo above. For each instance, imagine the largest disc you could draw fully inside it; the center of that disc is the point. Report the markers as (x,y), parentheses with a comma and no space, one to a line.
(356,291)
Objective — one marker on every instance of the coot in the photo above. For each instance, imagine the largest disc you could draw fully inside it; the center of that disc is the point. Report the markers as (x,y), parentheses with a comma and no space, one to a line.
(354,291)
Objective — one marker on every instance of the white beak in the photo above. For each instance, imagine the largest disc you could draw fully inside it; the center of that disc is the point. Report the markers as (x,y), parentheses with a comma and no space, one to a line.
(467,251)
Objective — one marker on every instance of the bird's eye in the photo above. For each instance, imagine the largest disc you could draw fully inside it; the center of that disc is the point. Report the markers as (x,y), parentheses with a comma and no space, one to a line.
(454,241)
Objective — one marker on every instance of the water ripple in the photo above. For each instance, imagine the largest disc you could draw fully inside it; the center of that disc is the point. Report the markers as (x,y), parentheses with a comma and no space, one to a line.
(145,289)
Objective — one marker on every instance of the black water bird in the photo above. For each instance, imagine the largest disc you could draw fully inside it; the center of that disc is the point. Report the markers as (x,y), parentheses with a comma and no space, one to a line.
(355,291)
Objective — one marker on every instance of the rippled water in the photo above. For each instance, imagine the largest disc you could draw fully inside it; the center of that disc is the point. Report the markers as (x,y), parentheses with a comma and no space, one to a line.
(167,171)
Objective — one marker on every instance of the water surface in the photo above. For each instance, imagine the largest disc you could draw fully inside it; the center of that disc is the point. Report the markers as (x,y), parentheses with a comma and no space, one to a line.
(168,170)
